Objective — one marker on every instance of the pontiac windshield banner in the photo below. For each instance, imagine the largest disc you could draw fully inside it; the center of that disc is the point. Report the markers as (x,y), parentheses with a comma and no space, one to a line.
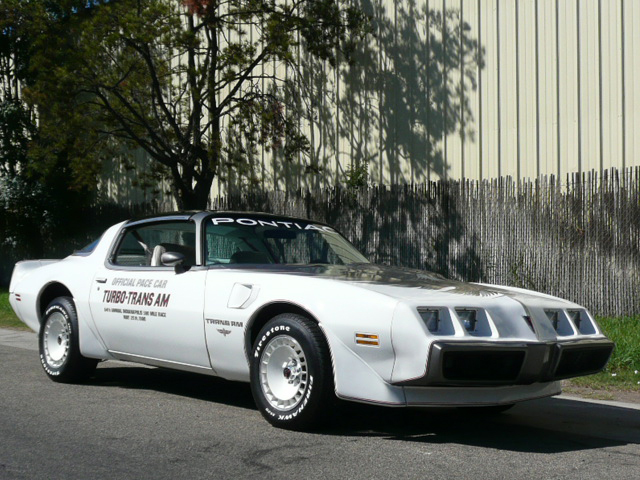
(250,222)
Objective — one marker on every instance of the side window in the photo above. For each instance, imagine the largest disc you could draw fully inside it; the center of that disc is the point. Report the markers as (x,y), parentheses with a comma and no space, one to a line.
(143,246)
(131,253)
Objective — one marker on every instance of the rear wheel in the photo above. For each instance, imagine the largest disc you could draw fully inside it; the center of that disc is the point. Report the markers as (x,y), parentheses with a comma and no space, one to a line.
(291,378)
(59,345)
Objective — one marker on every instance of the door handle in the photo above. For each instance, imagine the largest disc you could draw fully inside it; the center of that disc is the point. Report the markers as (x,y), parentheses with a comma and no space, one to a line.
(101,280)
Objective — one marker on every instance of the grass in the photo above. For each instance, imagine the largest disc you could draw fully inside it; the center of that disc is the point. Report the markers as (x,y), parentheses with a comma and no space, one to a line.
(8,319)
(610,380)
(623,370)
(620,374)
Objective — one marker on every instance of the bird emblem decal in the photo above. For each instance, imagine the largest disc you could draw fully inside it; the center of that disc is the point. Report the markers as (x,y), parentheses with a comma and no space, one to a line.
(224,331)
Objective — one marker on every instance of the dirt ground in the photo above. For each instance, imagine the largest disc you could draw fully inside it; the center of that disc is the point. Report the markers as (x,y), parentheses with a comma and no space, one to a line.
(609,394)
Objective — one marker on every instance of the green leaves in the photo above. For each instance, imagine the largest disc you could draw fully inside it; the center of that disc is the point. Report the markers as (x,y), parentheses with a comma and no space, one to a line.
(199,85)
(17,128)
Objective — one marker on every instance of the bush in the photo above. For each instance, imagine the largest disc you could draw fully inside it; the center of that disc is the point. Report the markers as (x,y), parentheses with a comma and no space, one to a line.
(42,221)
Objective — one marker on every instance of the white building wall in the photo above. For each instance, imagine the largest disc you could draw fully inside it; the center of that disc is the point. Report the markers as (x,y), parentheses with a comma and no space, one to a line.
(555,93)
(549,87)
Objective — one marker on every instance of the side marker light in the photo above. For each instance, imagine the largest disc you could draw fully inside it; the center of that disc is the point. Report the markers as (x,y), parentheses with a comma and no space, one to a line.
(368,339)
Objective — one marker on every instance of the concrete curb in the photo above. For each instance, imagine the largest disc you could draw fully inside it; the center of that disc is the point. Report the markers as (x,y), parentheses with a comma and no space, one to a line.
(608,403)
(19,339)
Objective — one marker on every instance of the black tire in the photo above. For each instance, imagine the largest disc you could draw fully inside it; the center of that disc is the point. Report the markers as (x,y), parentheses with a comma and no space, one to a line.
(59,345)
(291,375)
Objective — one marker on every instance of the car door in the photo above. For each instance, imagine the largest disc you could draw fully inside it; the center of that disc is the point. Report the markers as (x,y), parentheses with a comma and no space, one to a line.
(149,311)
(230,293)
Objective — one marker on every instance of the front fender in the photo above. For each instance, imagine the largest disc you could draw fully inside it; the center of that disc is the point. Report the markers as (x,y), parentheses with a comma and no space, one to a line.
(356,380)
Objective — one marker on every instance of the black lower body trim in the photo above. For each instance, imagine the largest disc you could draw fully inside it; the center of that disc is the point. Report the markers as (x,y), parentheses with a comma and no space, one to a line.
(482,364)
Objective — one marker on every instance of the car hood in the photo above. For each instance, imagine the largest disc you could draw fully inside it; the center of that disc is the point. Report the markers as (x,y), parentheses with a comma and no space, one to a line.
(406,283)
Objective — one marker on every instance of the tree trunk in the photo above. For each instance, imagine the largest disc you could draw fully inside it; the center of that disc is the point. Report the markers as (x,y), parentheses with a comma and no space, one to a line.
(194,197)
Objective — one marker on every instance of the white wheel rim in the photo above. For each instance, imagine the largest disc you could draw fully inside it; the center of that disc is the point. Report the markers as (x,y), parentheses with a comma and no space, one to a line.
(283,372)
(56,339)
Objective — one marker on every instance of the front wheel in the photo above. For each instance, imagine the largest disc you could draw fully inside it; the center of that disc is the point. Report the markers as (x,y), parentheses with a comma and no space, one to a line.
(59,345)
(291,378)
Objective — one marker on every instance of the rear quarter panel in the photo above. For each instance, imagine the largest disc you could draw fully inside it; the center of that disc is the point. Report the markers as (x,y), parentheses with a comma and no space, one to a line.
(75,272)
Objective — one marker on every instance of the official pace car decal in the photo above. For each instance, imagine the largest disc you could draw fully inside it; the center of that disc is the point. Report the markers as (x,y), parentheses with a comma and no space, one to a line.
(147,294)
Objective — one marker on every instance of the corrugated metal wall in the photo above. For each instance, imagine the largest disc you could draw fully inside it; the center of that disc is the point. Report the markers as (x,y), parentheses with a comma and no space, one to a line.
(479,89)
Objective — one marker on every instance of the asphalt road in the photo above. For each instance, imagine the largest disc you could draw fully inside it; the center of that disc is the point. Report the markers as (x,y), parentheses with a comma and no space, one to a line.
(146,423)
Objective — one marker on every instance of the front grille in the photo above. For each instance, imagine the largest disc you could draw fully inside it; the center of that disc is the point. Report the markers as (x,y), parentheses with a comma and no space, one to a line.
(489,366)
(582,360)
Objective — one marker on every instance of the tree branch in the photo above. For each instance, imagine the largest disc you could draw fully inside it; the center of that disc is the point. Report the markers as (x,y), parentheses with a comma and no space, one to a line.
(146,55)
(241,80)
(124,122)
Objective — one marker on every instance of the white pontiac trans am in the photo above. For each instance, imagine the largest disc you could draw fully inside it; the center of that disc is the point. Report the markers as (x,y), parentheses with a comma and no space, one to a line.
(293,308)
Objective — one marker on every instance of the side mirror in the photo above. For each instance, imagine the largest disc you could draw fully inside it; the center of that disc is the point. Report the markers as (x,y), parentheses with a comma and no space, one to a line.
(172,259)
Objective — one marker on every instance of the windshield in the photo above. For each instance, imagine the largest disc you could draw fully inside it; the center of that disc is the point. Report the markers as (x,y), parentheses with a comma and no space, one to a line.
(269,240)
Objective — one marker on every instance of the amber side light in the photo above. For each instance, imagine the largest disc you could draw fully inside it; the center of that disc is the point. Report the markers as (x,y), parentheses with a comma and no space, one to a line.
(367,339)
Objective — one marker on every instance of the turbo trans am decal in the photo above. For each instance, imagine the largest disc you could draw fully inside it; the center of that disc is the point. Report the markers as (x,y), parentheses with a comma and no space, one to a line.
(151,298)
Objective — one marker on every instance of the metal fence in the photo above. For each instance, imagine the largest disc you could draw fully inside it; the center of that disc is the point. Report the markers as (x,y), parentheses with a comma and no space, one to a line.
(578,238)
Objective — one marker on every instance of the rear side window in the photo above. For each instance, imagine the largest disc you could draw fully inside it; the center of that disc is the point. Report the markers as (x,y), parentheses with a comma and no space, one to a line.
(86,250)
(143,246)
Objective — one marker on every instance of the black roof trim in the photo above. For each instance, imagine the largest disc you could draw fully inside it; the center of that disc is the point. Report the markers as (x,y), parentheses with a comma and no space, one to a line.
(163,217)
(189,214)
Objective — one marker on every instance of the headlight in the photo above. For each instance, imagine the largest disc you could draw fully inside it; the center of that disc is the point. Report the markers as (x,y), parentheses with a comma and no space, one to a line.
(552,315)
(574,315)
(431,318)
(469,319)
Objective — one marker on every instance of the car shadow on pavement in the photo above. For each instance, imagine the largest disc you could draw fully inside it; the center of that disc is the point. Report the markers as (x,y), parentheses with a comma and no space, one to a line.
(550,425)
(192,385)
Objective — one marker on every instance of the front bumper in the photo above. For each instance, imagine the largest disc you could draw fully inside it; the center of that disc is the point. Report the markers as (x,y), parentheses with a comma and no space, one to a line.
(481,364)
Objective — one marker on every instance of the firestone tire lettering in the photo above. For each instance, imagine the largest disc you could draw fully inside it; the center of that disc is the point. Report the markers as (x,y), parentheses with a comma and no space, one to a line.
(267,335)
(317,395)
